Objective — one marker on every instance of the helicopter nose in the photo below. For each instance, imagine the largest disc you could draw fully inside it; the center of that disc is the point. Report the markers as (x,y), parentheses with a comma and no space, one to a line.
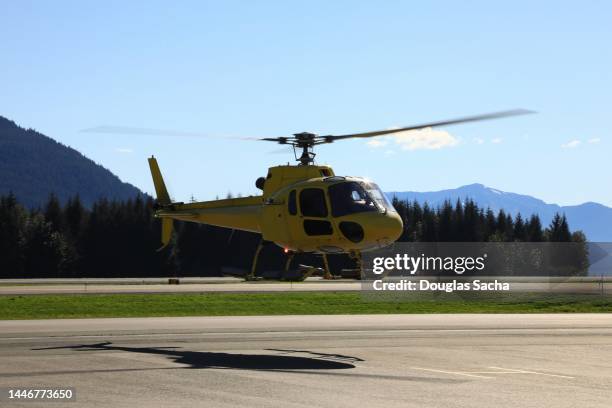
(390,228)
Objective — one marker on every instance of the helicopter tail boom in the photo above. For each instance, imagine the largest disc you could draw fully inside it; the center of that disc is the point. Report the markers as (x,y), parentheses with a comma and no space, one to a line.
(241,213)
(236,213)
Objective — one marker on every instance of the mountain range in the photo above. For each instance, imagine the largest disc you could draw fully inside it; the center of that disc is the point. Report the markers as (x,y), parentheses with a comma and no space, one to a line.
(33,165)
(594,219)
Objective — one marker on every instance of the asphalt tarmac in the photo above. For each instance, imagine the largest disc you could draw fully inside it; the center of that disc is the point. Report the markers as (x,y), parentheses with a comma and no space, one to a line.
(560,360)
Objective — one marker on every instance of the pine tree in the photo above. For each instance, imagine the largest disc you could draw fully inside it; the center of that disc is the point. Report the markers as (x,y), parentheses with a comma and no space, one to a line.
(490,224)
(445,220)
(53,213)
(74,215)
(509,229)
(458,227)
(534,229)
(564,232)
(520,232)
(472,228)
(430,228)
(12,220)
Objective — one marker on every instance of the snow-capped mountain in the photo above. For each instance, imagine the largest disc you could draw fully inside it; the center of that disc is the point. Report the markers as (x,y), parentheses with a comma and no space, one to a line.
(594,219)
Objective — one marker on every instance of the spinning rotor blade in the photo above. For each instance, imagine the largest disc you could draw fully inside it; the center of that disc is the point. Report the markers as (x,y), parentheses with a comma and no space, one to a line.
(305,140)
(280,140)
(487,116)
(125,130)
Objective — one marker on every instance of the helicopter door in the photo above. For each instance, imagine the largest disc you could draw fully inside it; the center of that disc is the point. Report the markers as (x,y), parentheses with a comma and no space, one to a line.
(314,214)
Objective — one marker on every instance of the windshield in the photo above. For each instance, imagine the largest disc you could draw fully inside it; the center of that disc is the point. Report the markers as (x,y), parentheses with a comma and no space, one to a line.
(376,193)
(349,198)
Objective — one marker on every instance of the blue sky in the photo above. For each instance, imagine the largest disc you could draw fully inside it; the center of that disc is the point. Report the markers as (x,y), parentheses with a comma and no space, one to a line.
(244,68)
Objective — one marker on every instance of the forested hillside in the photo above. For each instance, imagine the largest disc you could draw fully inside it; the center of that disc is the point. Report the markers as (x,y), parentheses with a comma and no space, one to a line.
(32,166)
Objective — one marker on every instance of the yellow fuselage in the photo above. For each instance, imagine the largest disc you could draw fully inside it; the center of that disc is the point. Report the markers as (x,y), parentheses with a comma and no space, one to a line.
(299,212)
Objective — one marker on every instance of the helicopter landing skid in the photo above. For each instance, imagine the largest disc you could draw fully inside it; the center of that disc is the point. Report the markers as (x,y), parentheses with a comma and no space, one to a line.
(356,256)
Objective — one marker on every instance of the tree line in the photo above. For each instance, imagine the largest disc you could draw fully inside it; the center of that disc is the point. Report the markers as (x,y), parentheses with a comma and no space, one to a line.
(466,222)
(121,238)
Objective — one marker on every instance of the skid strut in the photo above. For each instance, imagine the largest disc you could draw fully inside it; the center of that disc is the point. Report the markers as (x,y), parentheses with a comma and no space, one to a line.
(327,274)
(251,275)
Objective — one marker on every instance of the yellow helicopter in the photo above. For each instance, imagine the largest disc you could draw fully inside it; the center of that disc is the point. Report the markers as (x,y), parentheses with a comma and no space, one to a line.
(304,207)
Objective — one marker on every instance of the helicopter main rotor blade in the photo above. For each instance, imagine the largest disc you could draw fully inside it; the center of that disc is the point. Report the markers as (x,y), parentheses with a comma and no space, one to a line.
(304,138)
(279,140)
(466,119)
(126,130)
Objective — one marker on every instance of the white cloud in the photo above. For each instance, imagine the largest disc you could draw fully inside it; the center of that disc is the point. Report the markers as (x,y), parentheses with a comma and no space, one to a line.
(377,142)
(497,140)
(124,150)
(594,140)
(571,144)
(424,139)
(478,140)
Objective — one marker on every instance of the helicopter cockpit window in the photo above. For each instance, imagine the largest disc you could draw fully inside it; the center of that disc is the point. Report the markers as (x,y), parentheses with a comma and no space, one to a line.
(349,198)
(376,193)
(312,202)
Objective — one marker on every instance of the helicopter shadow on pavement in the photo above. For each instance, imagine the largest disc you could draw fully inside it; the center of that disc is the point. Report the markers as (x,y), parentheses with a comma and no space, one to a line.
(335,365)
(205,359)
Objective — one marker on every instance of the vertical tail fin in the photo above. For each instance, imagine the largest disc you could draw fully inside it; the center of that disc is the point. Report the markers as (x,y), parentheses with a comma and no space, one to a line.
(158,181)
(163,198)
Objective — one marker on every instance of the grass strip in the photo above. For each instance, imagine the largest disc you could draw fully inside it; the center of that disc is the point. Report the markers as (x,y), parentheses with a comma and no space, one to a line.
(251,304)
